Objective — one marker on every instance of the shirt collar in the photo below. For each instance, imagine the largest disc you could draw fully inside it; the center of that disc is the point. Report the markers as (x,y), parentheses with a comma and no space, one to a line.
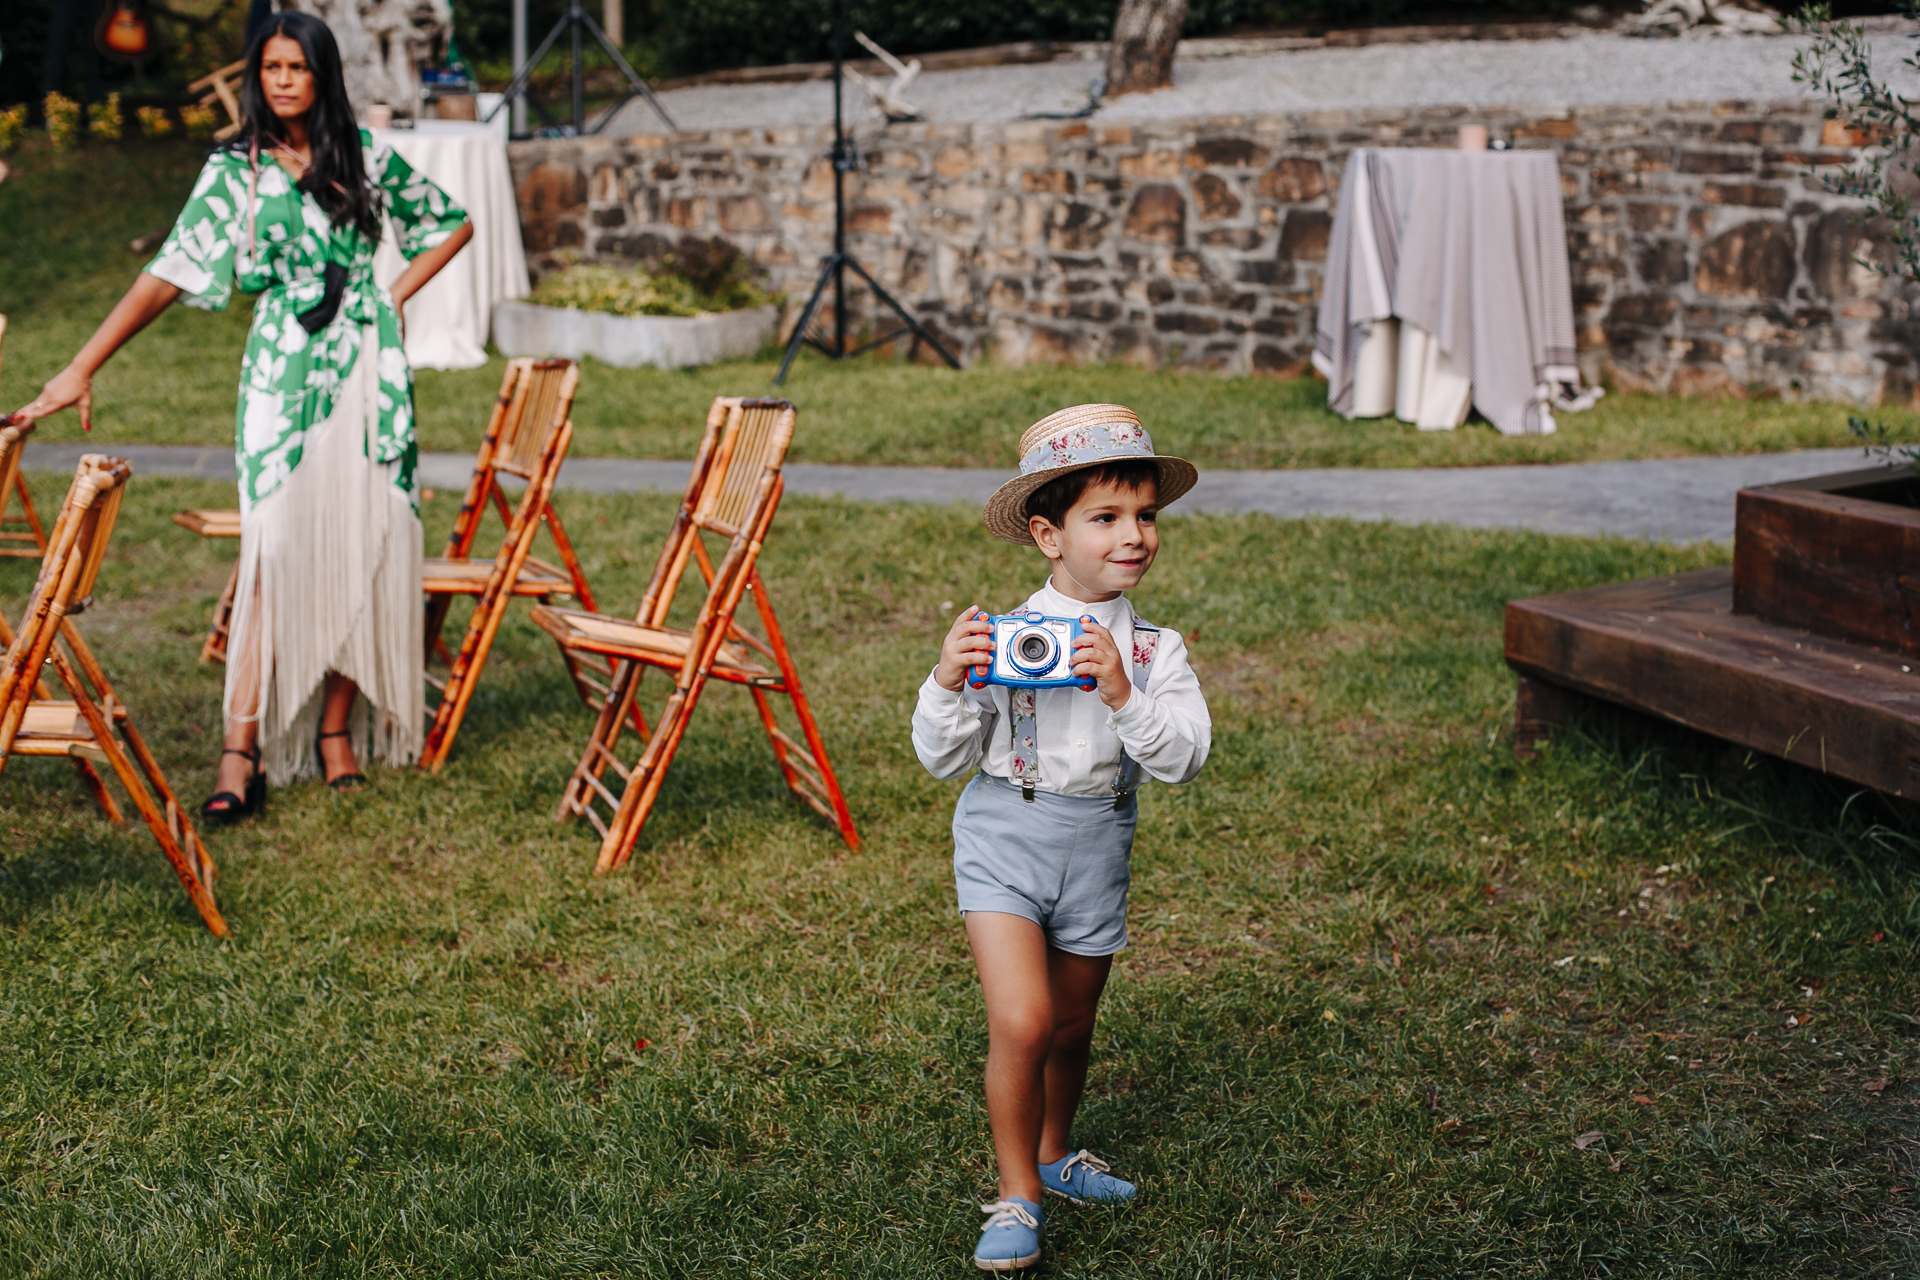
(1106,612)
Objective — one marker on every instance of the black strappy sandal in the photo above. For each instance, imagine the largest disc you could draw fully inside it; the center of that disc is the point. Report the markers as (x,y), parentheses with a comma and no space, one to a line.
(224,807)
(346,781)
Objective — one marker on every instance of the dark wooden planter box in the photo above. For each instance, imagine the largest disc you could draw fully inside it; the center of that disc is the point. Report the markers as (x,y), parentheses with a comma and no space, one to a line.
(1838,555)
(1803,650)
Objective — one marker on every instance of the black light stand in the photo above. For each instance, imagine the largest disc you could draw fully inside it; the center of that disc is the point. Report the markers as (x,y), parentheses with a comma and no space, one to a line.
(574,22)
(834,268)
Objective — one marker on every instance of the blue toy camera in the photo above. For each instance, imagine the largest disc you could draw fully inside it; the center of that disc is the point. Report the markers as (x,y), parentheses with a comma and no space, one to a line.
(1031,651)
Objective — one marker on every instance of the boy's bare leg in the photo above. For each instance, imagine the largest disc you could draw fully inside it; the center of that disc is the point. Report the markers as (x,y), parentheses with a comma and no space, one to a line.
(1010,954)
(1075,984)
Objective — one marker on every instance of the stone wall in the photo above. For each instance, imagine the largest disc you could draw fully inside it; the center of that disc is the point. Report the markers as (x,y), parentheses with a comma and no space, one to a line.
(1706,258)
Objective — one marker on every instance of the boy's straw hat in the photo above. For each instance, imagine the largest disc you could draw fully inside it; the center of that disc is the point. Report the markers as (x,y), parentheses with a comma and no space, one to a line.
(1086,435)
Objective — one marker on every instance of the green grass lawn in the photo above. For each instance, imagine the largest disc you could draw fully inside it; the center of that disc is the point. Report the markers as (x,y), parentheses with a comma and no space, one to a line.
(65,223)
(1381,977)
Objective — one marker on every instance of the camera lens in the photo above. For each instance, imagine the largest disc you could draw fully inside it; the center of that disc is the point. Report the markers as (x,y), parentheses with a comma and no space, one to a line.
(1033,651)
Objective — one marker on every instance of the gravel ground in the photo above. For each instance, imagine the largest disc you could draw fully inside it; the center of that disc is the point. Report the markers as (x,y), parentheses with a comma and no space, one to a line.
(1549,76)
(1665,499)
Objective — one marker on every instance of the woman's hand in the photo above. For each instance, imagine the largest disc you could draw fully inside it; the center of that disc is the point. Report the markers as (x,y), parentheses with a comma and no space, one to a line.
(67,387)
(1096,657)
(969,643)
(73,385)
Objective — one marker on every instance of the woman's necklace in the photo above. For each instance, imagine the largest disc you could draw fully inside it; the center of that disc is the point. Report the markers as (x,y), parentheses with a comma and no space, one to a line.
(287,153)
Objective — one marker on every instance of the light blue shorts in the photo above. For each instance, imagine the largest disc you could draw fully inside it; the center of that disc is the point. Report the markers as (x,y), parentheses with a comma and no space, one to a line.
(1061,861)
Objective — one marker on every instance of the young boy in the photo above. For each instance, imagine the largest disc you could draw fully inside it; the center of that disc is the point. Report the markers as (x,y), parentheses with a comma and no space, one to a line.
(1043,833)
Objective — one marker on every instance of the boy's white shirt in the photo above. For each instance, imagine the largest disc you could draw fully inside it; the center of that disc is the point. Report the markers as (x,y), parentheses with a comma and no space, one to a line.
(1166,729)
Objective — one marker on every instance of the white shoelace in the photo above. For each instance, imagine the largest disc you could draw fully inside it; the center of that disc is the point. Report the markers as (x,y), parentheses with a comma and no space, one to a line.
(1002,1212)
(1087,1158)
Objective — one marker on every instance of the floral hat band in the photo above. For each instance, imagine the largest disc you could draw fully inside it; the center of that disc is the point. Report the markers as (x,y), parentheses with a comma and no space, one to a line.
(1086,435)
(1106,442)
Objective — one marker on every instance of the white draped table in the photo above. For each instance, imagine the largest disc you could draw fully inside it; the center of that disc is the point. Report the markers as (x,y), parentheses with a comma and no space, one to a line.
(1447,288)
(448,321)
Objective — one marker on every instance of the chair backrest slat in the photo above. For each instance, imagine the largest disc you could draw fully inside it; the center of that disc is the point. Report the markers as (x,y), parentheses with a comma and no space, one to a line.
(755,440)
(744,447)
(542,402)
(96,535)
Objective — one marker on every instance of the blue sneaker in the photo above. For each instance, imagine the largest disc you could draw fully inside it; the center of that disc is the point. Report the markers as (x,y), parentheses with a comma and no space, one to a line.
(1011,1239)
(1084,1179)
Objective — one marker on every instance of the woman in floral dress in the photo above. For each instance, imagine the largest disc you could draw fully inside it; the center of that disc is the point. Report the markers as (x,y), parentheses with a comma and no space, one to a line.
(328,601)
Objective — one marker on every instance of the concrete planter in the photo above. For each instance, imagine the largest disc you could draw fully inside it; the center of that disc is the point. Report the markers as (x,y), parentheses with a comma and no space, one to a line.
(665,342)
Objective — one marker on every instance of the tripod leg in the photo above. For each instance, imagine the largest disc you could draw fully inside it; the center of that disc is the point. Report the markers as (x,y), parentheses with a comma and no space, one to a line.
(518,85)
(919,330)
(806,319)
(633,78)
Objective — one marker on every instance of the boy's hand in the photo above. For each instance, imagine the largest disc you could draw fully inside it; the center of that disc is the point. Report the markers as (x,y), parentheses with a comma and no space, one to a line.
(1097,657)
(969,643)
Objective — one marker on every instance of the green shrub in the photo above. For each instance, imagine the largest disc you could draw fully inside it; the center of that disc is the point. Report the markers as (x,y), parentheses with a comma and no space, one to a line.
(13,123)
(696,276)
(63,121)
(199,122)
(106,121)
(155,122)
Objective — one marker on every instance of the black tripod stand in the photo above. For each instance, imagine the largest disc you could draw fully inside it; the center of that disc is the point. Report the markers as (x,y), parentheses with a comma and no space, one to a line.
(834,269)
(576,21)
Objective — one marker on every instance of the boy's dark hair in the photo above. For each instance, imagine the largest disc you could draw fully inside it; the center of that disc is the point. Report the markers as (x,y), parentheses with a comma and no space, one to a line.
(1052,500)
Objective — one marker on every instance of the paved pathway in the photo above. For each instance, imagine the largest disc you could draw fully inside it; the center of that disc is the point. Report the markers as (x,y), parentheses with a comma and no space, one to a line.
(1668,499)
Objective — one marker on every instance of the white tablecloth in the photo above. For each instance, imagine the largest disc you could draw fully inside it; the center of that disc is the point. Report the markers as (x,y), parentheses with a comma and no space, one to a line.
(448,321)
(1468,250)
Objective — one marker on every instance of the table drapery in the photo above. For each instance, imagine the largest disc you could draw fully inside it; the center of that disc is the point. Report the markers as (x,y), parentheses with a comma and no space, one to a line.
(1470,247)
(448,321)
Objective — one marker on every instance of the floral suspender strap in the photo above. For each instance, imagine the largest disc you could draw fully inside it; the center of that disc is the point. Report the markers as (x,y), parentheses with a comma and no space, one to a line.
(1146,643)
(1024,762)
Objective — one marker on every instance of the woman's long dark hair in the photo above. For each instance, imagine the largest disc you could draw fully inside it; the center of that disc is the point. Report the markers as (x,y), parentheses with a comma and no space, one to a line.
(337,178)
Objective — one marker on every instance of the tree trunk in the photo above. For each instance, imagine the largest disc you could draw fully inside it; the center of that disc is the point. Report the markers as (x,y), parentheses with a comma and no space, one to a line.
(383,44)
(613,20)
(1141,55)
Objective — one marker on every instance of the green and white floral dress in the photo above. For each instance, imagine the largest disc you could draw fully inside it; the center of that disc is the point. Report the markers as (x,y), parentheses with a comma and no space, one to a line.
(330,541)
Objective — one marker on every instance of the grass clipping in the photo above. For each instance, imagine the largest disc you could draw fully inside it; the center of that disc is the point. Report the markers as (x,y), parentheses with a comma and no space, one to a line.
(697,277)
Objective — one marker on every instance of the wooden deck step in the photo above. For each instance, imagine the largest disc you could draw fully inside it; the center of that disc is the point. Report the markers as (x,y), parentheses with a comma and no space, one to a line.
(1672,647)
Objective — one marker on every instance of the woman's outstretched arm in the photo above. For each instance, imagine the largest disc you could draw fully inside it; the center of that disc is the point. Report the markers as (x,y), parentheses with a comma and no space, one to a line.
(148,297)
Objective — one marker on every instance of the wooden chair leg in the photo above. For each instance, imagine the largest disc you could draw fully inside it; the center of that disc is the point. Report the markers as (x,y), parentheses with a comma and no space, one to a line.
(824,780)
(215,649)
(89,776)
(29,517)
(438,606)
(601,754)
(488,611)
(191,863)
(643,784)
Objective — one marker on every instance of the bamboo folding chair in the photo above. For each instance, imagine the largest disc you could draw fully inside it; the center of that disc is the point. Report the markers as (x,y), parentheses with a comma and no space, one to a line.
(14,485)
(527,436)
(734,492)
(223,87)
(12,444)
(84,725)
